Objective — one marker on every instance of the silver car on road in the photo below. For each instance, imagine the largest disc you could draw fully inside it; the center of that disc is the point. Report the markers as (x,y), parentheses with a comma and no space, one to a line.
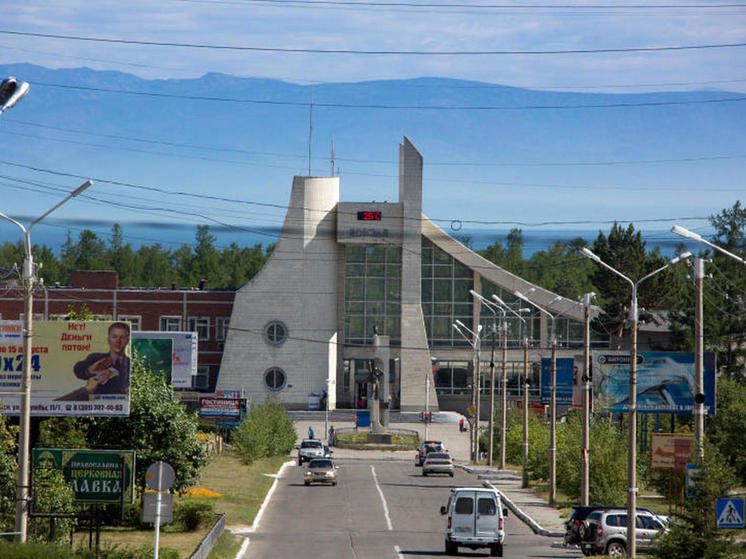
(438,463)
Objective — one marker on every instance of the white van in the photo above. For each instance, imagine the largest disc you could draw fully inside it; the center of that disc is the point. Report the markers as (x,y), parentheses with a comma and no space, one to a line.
(475,519)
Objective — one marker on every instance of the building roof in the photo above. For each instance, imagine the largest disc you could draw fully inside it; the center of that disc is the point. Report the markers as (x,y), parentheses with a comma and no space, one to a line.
(502,278)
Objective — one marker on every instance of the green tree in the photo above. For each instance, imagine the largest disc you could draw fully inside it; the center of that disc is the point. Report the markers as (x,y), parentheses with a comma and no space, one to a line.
(121,257)
(52,494)
(607,458)
(726,428)
(509,258)
(154,266)
(62,432)
(266,430)
(625,251)
(240,264)
(538,437)
(725,317)
(695,535)
(561,269)
(206,264)
(89,252)
(8,468)
(158,428)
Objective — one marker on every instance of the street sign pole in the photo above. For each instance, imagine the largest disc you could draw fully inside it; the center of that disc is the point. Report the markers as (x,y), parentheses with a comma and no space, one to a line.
(158,510)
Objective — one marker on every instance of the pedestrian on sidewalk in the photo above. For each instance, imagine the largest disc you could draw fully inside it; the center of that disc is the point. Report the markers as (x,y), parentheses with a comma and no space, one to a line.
(330,440)
(310,432)
(356,422)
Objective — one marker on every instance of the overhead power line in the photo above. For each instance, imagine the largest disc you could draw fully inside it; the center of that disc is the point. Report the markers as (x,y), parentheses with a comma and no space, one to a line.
(574,7)
(286,207)
(151,141)
(371,52)
(397,107)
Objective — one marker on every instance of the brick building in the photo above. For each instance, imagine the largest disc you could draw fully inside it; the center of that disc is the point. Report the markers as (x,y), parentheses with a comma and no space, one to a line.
(177,309)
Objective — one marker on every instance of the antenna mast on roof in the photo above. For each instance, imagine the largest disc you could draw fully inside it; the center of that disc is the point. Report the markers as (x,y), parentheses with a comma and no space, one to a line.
(332,156)
(310,132)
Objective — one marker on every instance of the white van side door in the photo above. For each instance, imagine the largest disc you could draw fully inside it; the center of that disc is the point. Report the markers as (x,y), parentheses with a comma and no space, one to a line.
(462,517)
(488,515)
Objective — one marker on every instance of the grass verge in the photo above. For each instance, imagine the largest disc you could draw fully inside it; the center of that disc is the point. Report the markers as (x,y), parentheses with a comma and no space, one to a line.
(243,488)
(226,547)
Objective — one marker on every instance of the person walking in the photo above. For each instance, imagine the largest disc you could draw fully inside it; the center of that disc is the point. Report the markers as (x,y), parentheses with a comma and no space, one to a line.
(310,432)
(330,440)
(356,422)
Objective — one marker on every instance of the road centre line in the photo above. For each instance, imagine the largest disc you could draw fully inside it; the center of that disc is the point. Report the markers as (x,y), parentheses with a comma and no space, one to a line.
(383,499)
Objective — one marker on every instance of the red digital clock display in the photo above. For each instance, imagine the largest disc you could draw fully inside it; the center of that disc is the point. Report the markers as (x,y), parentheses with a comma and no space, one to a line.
(369,216)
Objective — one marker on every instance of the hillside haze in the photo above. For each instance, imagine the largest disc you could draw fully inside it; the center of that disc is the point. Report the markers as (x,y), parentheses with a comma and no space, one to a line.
(515,158)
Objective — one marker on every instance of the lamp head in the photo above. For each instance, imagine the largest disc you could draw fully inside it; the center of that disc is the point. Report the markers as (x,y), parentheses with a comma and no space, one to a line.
(11,91)
(682,256)
(585,251)
(686,233)
(81,188)
(519,295)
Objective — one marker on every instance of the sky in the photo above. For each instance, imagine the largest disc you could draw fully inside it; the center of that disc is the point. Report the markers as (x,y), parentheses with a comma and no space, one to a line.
(656,46)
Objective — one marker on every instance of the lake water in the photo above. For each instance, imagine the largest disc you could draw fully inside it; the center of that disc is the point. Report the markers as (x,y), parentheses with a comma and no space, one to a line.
(173,236)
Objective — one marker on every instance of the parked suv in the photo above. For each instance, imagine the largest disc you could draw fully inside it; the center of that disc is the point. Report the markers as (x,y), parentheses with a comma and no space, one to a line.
(576,525)
(607,532)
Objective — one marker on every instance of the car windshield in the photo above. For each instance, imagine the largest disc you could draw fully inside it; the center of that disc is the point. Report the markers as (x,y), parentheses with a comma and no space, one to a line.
(320,464)
(438,456)
(310,444)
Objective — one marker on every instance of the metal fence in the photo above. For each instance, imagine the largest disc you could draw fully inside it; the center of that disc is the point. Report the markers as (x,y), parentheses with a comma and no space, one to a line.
(210,539)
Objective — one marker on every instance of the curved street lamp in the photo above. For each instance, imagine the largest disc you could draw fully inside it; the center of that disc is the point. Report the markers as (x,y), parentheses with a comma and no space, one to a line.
(493,308)
(503,304)
(476,343)
(632,399)
(552,400)
(29,282)
(699,275)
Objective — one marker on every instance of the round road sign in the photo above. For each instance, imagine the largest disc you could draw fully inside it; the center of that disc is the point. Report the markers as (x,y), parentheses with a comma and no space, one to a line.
(160,476)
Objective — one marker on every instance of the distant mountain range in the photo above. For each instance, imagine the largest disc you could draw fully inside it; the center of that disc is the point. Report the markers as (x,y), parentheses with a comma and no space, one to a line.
(251,136)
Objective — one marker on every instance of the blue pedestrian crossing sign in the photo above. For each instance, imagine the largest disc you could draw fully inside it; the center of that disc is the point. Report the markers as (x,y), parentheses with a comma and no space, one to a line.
(729,513)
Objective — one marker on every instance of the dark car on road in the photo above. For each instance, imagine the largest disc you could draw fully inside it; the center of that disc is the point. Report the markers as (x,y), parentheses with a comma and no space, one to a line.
(426,448)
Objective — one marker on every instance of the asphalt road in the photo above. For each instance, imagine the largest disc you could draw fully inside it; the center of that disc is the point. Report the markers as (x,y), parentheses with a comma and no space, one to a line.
(379,509)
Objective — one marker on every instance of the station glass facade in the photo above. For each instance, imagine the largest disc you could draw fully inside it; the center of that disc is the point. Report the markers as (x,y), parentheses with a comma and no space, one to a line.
(372,293)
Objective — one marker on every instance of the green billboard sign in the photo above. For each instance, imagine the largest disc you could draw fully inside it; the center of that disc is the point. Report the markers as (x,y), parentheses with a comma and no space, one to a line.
(96,476)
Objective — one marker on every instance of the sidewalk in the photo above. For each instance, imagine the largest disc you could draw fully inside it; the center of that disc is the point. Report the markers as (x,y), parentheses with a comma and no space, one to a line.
(524,503)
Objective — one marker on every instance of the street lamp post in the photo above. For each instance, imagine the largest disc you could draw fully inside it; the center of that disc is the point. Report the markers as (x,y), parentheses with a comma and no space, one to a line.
(29,281)
(491,428)
(525,390)
(585,466)
(476,344)
(552,403)
(699,275)
(632,398)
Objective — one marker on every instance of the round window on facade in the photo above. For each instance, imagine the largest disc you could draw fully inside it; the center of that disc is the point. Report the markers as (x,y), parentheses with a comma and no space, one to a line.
(275,333)
(275,379)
